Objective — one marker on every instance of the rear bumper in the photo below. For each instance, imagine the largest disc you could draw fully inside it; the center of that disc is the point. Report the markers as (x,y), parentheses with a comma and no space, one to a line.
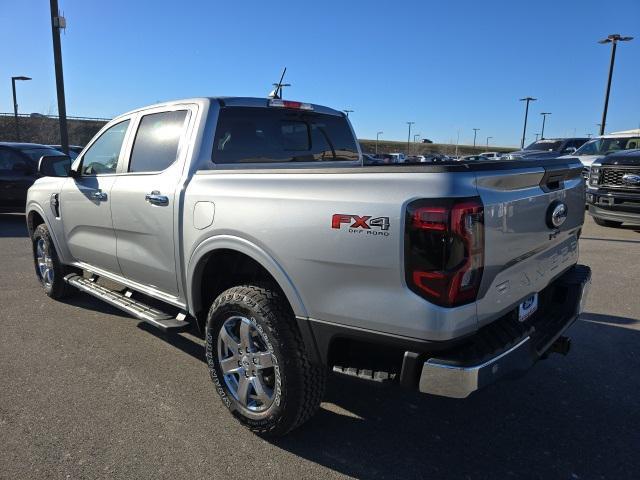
(478,363)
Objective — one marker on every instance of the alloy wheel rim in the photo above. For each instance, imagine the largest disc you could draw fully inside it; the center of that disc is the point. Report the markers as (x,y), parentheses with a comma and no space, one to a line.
(247,364)
(45,263)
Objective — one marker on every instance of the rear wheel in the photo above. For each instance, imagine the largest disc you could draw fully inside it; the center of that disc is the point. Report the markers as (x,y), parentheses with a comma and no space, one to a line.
(258,362)
(49,270)
(606,223)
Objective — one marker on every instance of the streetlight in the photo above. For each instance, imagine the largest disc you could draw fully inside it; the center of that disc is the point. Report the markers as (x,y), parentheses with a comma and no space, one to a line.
(475,132)
(613,40)
(544,118)
(589,135)
(415,136)
(526,114)
(537,135)
(378,138)
(488,141)
(409,138)
(347,112)
(15,103)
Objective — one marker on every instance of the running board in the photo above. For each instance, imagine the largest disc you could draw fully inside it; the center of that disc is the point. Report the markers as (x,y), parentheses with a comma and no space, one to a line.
(161,320)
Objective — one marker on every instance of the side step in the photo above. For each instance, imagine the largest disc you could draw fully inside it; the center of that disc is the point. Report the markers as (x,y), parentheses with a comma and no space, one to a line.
(161,320)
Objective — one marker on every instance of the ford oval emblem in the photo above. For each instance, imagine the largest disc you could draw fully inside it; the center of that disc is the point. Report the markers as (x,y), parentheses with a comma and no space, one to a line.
(631,179)
(557,214)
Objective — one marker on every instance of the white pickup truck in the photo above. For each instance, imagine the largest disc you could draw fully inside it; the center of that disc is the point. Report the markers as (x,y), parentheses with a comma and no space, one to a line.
(254,222)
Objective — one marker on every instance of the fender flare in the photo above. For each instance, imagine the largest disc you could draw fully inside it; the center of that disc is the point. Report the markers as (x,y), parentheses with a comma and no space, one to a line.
(35,207)
(241,245)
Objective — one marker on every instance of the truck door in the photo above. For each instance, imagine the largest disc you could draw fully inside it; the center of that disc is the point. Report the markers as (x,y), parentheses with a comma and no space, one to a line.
(85,201)
(144,199)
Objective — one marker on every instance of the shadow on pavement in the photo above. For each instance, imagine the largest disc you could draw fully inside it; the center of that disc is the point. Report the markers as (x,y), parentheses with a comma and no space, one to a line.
(617,240)
(573,417)
(12,225)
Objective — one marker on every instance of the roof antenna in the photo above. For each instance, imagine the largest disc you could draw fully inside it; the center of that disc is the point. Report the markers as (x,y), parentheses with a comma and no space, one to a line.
(277,92)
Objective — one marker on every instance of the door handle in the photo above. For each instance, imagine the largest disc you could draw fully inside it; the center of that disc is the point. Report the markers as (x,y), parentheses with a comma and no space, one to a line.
(156,199)
(98,195)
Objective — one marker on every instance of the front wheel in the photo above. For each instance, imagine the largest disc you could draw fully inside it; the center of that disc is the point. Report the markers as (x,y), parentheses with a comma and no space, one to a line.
(258,363)
(49,270)
(606,223)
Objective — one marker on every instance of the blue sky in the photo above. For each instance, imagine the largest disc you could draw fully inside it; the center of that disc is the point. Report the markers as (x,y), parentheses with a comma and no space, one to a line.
(449,66)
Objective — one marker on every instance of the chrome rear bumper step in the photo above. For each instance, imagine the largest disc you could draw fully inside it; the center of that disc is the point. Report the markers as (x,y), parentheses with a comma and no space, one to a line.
(137,309)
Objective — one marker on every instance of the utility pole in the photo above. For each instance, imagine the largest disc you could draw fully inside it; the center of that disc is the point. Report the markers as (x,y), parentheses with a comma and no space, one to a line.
(475,132)
(15,103)
(378,138)
(544,118)
(526,114)
(58,22)
(409,138)
(613,40)
(488,141)
(347,112)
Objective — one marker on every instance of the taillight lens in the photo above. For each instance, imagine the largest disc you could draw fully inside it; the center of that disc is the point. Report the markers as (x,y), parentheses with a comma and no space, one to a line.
(444,249)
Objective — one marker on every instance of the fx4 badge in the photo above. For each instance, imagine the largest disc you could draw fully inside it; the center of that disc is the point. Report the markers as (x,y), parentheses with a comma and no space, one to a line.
(365,224)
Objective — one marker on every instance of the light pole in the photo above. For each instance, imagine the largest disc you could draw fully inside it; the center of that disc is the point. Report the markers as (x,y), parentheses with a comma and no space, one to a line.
(589,135)
(488,141)
(15,103)
(347,112)
(409,138)
(415,136)
(537,135)
(475,132)
(526,114)
(544,118)
(613,40)
(58,22)
(378,138)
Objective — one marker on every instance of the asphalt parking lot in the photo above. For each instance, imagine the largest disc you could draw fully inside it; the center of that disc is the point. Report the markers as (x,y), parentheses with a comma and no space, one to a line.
(88,392)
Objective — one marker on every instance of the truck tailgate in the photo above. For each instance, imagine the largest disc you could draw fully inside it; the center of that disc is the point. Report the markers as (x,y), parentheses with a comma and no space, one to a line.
(524,250)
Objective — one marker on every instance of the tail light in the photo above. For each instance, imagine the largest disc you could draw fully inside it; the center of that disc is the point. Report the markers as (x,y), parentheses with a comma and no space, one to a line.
(444,250)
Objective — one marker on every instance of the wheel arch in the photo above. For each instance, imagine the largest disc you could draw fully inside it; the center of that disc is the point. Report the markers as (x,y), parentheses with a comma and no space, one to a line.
(247,256)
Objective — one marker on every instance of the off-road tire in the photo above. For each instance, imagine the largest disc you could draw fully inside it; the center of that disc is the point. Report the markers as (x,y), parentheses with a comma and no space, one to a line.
(606,223)
(58,288)
(300,383)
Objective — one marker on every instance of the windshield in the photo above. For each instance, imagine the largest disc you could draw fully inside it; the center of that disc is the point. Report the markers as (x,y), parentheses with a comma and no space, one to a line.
(547,145)
(270,135)
(604,146)
(37,152)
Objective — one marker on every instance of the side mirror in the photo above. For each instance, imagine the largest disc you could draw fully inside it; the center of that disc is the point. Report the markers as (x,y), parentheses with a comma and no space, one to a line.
(54,166)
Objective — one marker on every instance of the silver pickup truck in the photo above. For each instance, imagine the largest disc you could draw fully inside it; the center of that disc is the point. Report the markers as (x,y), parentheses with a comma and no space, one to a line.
(255,222)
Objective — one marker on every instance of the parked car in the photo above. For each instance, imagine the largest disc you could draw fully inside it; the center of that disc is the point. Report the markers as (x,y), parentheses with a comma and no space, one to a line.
(613,189)
(606,144)
(18,171)
(549,148)
(398,157)
(491,155)
(74,150)
(385,158)
(368,159)
(254,221)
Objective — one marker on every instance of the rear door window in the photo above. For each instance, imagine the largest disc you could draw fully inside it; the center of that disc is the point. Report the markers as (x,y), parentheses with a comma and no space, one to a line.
(270,135)
(155,147)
